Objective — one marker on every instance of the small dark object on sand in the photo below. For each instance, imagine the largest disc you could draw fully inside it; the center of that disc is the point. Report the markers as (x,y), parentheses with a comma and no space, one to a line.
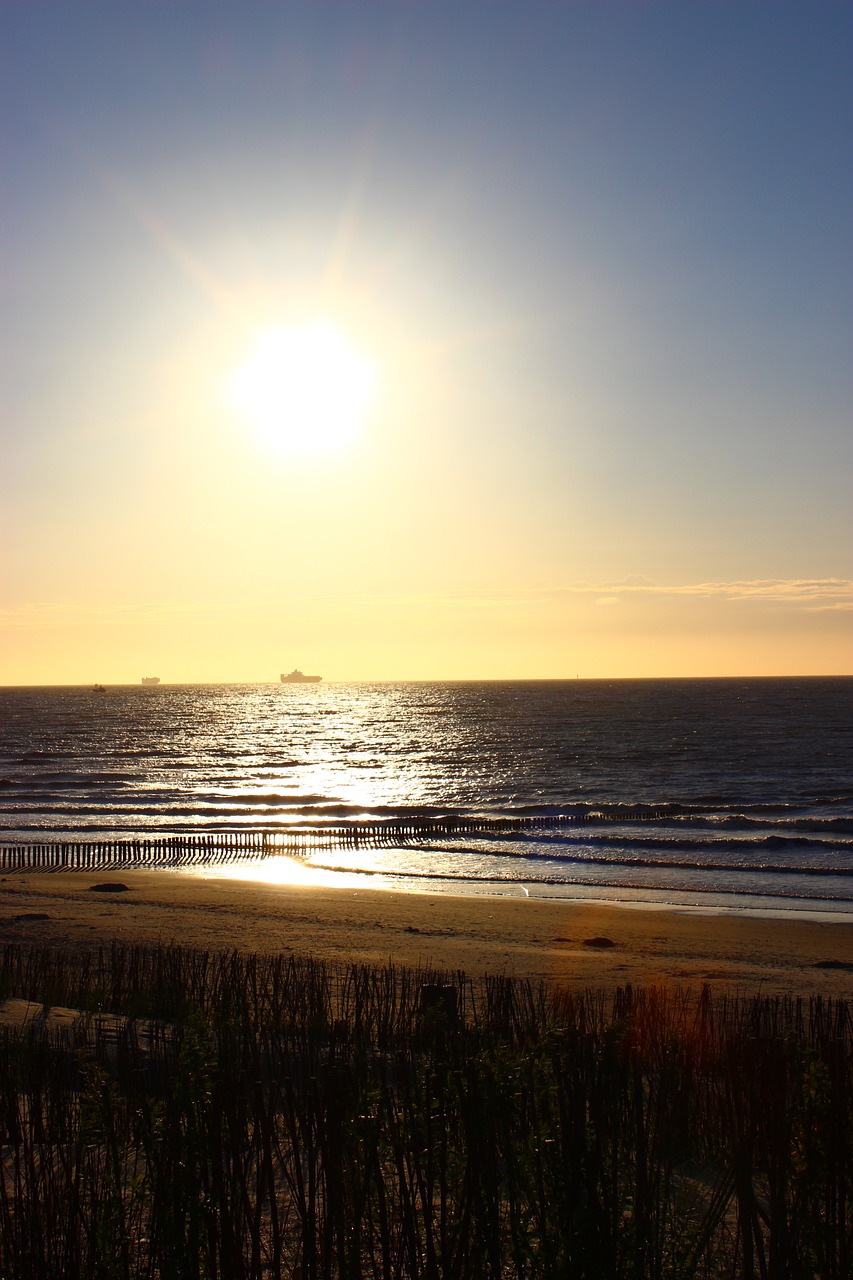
(27,916)
(599,942)
(832,964)
(113,887)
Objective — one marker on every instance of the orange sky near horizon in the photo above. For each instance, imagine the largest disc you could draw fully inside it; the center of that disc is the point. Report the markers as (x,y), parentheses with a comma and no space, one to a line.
(621,634)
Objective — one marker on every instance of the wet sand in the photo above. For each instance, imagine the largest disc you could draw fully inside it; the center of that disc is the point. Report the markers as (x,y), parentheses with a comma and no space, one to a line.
(580,944)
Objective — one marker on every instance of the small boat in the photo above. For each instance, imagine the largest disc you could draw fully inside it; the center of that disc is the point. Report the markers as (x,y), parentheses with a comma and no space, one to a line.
(150,679)
(297,677)
(98,688)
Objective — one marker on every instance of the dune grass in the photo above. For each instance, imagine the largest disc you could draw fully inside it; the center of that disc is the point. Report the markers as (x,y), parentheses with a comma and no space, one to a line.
(285,1118)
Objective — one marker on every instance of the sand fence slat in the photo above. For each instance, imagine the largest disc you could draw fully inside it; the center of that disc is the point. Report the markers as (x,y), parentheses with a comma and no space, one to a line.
(209,847)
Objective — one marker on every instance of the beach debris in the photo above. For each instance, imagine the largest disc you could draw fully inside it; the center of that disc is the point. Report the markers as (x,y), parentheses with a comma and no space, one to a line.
(115,886)
(832,964)
(26,917)
(599,942)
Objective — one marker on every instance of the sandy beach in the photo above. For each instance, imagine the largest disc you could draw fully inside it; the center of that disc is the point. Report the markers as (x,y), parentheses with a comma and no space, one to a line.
(580,944)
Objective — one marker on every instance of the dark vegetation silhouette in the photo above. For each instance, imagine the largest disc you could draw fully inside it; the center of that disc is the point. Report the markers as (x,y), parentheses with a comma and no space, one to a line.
(243,1116)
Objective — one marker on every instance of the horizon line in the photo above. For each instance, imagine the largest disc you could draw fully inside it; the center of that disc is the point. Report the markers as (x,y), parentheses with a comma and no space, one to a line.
(174,684)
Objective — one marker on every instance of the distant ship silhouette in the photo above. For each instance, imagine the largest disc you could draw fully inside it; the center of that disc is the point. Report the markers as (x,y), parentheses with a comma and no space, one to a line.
(296,677)
(150,679)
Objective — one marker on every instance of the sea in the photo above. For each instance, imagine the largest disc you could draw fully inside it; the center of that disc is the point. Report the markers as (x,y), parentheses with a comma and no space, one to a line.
(717,794)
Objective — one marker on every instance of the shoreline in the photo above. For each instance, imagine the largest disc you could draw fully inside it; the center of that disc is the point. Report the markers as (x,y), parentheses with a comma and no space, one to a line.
(754,905)
(293,858)
(577,943)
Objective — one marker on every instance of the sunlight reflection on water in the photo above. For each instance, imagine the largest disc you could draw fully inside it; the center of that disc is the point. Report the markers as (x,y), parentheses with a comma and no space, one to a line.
(728,788)
(286,872)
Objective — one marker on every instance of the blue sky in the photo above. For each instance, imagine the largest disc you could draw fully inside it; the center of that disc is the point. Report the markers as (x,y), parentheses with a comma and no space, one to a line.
(599,252)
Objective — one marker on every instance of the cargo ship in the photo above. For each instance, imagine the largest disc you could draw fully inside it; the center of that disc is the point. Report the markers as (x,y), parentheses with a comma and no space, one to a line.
(297,677)
(150,679)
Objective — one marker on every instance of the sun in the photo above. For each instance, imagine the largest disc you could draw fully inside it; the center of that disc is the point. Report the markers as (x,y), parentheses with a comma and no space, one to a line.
(305,390)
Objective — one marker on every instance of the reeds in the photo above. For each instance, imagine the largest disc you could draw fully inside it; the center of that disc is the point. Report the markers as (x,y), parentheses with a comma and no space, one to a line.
(284,1118)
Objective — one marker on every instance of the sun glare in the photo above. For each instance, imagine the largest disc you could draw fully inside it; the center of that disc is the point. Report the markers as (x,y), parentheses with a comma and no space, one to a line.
(305,390)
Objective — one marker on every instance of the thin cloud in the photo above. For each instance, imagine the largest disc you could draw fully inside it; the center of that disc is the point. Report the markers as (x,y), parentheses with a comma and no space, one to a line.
(808,594)
(805,595)
(792,590)
(835,593)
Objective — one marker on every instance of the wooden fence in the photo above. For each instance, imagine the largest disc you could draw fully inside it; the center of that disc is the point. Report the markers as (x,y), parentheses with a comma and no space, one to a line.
(231,846)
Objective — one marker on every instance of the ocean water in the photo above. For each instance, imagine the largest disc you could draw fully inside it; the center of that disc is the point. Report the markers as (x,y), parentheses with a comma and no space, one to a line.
(722,793)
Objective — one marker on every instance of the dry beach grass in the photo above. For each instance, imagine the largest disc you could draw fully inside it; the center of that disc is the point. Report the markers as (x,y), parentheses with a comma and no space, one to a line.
(210,1077)
(263,1116)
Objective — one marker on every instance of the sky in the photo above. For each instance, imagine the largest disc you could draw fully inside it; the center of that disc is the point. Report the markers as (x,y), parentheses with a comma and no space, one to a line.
(425,340)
